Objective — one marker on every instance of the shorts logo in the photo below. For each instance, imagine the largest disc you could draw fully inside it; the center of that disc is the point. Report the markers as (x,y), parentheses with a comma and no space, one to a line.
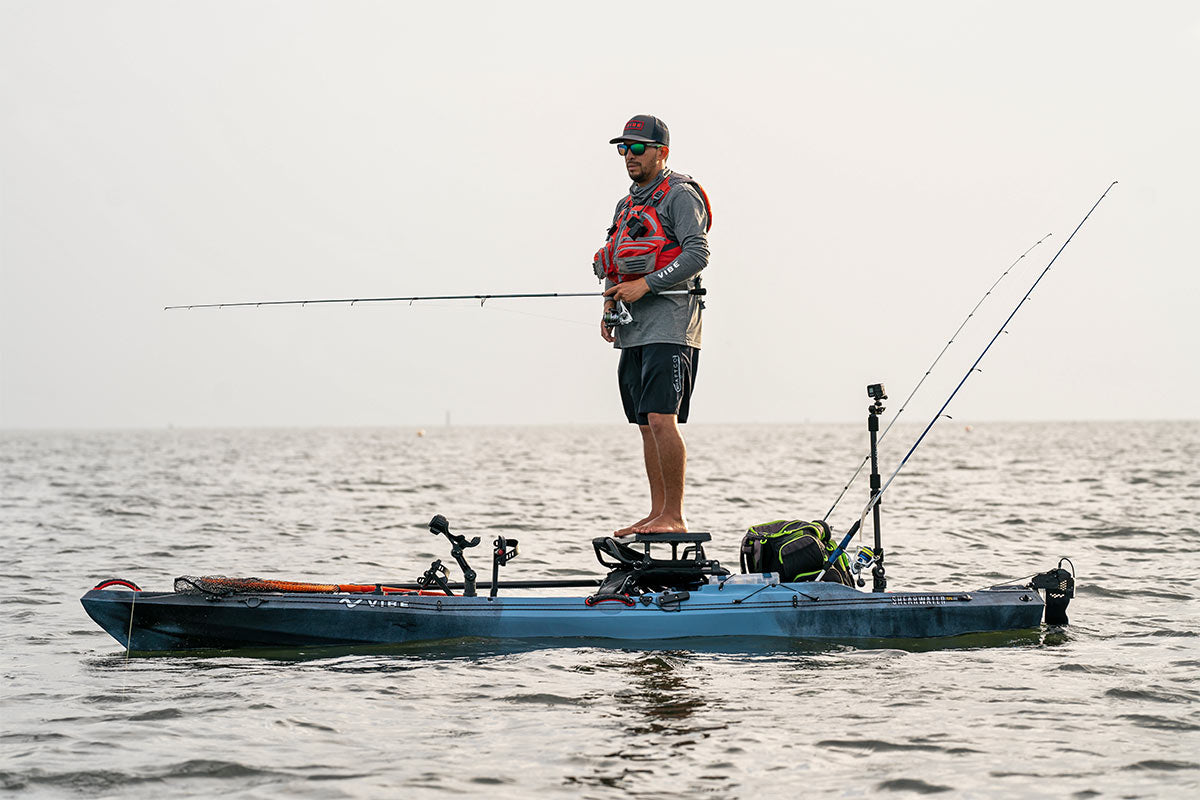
(677,374)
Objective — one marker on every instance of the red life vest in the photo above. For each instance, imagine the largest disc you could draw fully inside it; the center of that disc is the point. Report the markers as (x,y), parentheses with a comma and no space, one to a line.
(637,244)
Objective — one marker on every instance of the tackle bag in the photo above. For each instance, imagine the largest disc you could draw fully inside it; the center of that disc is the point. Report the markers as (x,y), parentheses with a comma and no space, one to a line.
(794,549)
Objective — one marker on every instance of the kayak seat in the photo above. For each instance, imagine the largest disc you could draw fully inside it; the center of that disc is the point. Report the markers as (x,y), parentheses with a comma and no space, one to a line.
(681,536)
(675,539)
(634,572)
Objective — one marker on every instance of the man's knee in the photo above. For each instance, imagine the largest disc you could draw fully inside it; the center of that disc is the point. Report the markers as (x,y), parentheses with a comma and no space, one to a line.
(661,422)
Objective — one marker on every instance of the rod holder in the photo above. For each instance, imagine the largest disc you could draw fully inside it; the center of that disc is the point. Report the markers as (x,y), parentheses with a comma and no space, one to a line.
(439,525)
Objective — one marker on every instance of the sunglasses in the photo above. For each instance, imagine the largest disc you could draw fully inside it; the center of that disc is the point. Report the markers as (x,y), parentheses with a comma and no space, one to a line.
(637,148)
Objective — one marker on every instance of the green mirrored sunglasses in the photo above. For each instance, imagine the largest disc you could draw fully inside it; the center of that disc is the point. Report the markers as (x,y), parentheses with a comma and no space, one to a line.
(637,148)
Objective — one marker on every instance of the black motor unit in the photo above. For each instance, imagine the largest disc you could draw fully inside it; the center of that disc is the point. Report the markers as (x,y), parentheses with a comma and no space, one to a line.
(1059,585)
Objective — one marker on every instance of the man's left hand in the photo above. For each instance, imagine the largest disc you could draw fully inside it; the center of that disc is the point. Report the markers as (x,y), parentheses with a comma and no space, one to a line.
(630,291)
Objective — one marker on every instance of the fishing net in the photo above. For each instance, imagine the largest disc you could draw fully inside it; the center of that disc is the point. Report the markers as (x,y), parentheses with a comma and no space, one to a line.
(220,586)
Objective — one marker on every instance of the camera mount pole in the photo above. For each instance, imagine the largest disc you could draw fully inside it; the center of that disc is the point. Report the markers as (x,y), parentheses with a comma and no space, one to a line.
(876,392)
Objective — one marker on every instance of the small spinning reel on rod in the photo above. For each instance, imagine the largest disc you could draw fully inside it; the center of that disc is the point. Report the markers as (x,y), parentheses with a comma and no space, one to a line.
(618,315)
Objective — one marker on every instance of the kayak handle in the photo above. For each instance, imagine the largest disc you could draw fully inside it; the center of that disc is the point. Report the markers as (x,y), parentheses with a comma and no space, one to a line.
(130,585)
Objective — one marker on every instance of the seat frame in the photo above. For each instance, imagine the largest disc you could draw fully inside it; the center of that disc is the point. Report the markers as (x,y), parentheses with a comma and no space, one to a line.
(631,572)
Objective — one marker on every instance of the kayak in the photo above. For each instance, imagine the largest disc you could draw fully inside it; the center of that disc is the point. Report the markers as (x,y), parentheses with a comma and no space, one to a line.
(157,621)
(643,597)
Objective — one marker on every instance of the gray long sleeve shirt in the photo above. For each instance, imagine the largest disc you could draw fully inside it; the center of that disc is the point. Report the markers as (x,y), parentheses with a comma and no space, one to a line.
(671,319)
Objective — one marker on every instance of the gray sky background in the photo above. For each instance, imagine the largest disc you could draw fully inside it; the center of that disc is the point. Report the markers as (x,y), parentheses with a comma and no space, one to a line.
(873,168)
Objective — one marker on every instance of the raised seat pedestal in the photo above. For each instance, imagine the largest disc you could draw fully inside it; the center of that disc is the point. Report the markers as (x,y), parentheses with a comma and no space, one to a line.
(635,573)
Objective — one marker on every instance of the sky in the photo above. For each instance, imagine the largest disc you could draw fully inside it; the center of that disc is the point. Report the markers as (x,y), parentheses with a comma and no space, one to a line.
(873,168)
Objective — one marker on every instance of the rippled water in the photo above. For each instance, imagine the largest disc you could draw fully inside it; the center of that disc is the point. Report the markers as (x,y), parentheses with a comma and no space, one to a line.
(1108,708)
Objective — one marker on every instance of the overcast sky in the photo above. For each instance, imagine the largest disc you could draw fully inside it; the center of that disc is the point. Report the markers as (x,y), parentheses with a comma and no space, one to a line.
(873,168)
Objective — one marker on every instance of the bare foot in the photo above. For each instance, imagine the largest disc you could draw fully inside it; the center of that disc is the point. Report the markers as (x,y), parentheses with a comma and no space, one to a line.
(662,524)
(632,529)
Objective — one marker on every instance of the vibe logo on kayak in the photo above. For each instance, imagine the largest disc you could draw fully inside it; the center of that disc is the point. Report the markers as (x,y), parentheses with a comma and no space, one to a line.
(348,603)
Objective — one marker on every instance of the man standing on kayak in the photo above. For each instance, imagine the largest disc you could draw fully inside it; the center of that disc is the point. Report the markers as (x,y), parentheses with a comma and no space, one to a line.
(658,241)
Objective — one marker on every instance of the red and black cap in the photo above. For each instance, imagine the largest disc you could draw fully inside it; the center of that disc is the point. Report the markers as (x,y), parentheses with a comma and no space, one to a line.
(644,128)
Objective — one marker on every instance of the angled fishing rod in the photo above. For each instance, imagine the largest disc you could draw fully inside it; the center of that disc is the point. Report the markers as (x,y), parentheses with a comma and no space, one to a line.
(880,581)
(930,368)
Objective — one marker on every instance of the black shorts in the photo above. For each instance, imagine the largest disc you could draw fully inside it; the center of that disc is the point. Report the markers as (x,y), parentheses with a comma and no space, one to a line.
(657,379)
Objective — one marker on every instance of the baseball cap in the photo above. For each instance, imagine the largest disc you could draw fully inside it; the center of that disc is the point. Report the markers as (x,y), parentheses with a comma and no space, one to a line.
(644,128)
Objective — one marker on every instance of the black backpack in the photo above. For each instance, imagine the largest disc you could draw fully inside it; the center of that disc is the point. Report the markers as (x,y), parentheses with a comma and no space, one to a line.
(794,549)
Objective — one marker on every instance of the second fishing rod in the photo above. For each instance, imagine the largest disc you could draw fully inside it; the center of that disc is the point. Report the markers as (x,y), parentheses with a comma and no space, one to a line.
(877,394)
(929,370)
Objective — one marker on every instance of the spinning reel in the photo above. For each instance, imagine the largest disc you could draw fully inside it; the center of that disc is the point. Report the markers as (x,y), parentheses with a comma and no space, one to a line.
(618,315)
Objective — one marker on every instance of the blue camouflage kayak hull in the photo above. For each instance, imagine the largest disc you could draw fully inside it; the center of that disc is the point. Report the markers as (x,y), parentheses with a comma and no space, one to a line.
(158,621)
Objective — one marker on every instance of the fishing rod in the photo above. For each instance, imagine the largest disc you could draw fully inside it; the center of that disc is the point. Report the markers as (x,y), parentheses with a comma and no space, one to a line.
(875,497)
(929,369)
(482,298)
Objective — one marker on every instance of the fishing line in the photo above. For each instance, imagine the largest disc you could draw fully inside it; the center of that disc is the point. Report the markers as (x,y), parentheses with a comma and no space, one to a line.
(841,548)
(129,633)
(539,316)
(929,369)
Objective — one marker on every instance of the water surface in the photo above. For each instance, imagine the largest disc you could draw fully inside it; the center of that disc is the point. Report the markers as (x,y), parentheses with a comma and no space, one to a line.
(1108,708)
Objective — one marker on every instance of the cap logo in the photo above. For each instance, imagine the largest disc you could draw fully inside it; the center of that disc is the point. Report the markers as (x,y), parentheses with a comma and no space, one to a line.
(634,125)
